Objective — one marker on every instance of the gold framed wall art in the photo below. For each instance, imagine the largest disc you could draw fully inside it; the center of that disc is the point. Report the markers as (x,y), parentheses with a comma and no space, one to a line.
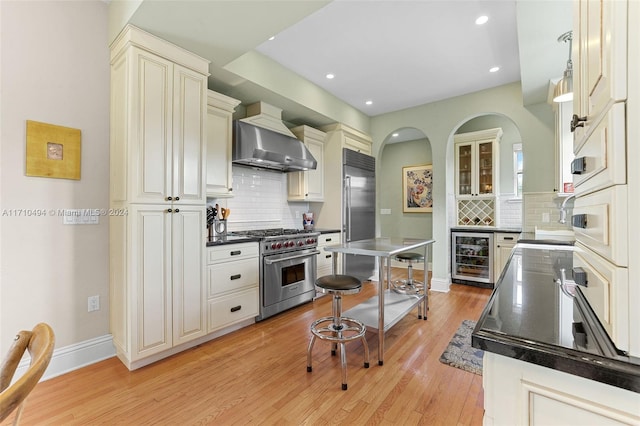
(53,151)
(417,186)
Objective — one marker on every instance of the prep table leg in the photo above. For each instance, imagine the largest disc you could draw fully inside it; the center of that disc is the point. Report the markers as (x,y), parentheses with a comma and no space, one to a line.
(381,270)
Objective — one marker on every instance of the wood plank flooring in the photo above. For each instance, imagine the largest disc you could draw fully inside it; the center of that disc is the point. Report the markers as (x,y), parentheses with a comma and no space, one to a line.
(258,375)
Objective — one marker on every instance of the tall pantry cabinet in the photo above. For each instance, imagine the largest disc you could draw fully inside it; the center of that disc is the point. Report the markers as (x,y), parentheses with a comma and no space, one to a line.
(158,172)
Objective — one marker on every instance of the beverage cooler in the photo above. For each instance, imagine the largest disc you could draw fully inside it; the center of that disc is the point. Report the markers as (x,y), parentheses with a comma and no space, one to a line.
(472,258)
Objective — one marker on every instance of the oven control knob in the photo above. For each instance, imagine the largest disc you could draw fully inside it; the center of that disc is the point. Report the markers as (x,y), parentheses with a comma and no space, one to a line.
(273,246)
(300,243)
(279,245)
(291,244)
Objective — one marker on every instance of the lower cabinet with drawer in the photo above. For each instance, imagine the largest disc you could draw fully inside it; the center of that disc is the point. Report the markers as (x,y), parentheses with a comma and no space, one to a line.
(325,261)
(503,244)
(232,284)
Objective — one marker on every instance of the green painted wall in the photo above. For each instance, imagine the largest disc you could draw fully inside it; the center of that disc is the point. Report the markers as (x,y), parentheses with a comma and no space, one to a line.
(392,159)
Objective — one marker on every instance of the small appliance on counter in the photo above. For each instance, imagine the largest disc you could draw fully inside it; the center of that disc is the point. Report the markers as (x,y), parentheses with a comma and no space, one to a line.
(307,221)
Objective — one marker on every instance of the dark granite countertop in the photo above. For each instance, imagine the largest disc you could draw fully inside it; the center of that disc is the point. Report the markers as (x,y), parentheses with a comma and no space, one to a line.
(231,239)
(326,231)
(485,229)
(531,318)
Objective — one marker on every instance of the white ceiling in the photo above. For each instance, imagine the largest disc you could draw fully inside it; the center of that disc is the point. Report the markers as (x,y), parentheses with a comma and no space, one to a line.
(396,53)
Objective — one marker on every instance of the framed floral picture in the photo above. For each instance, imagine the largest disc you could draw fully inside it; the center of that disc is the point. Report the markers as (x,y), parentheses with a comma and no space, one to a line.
(417,186)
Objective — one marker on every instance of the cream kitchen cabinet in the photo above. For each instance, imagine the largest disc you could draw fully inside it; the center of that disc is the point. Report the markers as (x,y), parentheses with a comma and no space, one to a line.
(232,290)
(308,185)
(503,243)
(600,62)
(522,393)
(220,110)
(157,276)
(158,107)
(476,177)
(342,136)
(477,163)
(325,260)
(157,161)
(603,208)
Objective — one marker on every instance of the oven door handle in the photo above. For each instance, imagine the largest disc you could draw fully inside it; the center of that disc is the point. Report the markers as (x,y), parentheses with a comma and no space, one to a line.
(270,262)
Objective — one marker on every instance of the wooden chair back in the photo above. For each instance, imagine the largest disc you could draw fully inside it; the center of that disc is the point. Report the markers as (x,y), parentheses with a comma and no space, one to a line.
(40,343)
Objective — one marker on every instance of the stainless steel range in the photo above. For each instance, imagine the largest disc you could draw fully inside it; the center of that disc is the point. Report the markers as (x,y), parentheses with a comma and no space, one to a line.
(288,259)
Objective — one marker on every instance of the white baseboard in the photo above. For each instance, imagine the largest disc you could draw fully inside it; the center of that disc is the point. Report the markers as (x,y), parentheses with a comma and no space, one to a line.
(72,357)
(441,285)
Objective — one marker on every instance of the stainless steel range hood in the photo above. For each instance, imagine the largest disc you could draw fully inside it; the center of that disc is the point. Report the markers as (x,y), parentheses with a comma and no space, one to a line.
(262,148)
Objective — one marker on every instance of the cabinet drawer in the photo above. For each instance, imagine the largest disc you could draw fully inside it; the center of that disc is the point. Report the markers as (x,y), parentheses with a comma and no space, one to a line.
(325,259)
(231,252)
(227,310)
(328,239)
(506,239)
(231,276)
(605,228)
(607,291)
(603,155)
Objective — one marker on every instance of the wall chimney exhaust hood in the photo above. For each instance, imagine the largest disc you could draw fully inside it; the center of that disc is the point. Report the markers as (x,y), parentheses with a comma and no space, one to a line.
(263,141)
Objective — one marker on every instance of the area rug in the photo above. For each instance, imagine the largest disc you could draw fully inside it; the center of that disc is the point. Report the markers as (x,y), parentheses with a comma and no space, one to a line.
(460,354)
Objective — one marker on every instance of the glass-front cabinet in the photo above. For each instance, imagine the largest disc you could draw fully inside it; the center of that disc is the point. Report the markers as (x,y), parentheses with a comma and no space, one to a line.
(476,177)
(475,168)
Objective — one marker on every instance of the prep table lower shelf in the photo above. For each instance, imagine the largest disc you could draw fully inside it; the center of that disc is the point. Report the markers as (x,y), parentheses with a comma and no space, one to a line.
(396,307)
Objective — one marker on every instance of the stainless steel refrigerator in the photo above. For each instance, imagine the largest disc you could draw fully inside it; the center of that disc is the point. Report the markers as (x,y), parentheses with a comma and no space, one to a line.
(359,209)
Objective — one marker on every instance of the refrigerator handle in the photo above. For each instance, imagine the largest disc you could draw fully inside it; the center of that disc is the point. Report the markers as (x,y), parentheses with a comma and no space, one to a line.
(347,211)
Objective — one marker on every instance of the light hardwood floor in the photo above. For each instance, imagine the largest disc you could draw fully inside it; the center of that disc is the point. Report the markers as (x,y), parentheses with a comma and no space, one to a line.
(258,375)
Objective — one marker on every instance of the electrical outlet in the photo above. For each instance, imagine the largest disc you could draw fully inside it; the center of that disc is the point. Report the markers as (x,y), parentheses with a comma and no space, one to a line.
(385,211)
(93,303)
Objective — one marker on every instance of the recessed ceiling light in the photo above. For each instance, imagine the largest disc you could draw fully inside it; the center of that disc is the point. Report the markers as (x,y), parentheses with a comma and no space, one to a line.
(482,20)
(272,38)
(369,102)
(494,69)
(395,135)
(330,76)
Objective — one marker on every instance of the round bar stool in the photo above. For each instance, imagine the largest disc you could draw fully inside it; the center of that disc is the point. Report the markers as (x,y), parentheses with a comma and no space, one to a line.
(410,285)
(338,329)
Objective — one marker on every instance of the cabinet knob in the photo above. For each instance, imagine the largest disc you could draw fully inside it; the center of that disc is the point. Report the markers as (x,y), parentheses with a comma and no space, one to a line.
(577,122)
(177,198)
(230,189)
(169,198)
(177,210)
(169,210)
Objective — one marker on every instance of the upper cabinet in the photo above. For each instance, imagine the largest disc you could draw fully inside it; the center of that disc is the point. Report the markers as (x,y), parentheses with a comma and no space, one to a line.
(476,156)
(600,62)
(308,185)
(220,110)
(343,136)
(158,107)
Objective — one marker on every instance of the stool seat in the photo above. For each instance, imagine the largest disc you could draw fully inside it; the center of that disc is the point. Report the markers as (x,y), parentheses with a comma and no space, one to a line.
(343,284)
(409,257)
(336,329)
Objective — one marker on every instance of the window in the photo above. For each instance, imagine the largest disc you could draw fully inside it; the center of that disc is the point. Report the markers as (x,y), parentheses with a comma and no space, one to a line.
(517,169)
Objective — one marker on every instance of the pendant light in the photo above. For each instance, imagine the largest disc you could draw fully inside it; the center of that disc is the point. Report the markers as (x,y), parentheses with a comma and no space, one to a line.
(564,89)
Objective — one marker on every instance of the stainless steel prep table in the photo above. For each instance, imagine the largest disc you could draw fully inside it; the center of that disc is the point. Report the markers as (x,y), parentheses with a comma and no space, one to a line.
(391,307)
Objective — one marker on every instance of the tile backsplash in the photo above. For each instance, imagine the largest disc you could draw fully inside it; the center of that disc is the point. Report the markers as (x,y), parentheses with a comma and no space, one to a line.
(542,210)
(260,201)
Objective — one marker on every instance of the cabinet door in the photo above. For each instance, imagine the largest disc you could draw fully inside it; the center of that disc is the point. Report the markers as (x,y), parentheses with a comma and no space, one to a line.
(315,178)
(188,273)
(188,142)
(151,277)
(151,128)
(219,139)
(485,181)
(465,160)
(600,76)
